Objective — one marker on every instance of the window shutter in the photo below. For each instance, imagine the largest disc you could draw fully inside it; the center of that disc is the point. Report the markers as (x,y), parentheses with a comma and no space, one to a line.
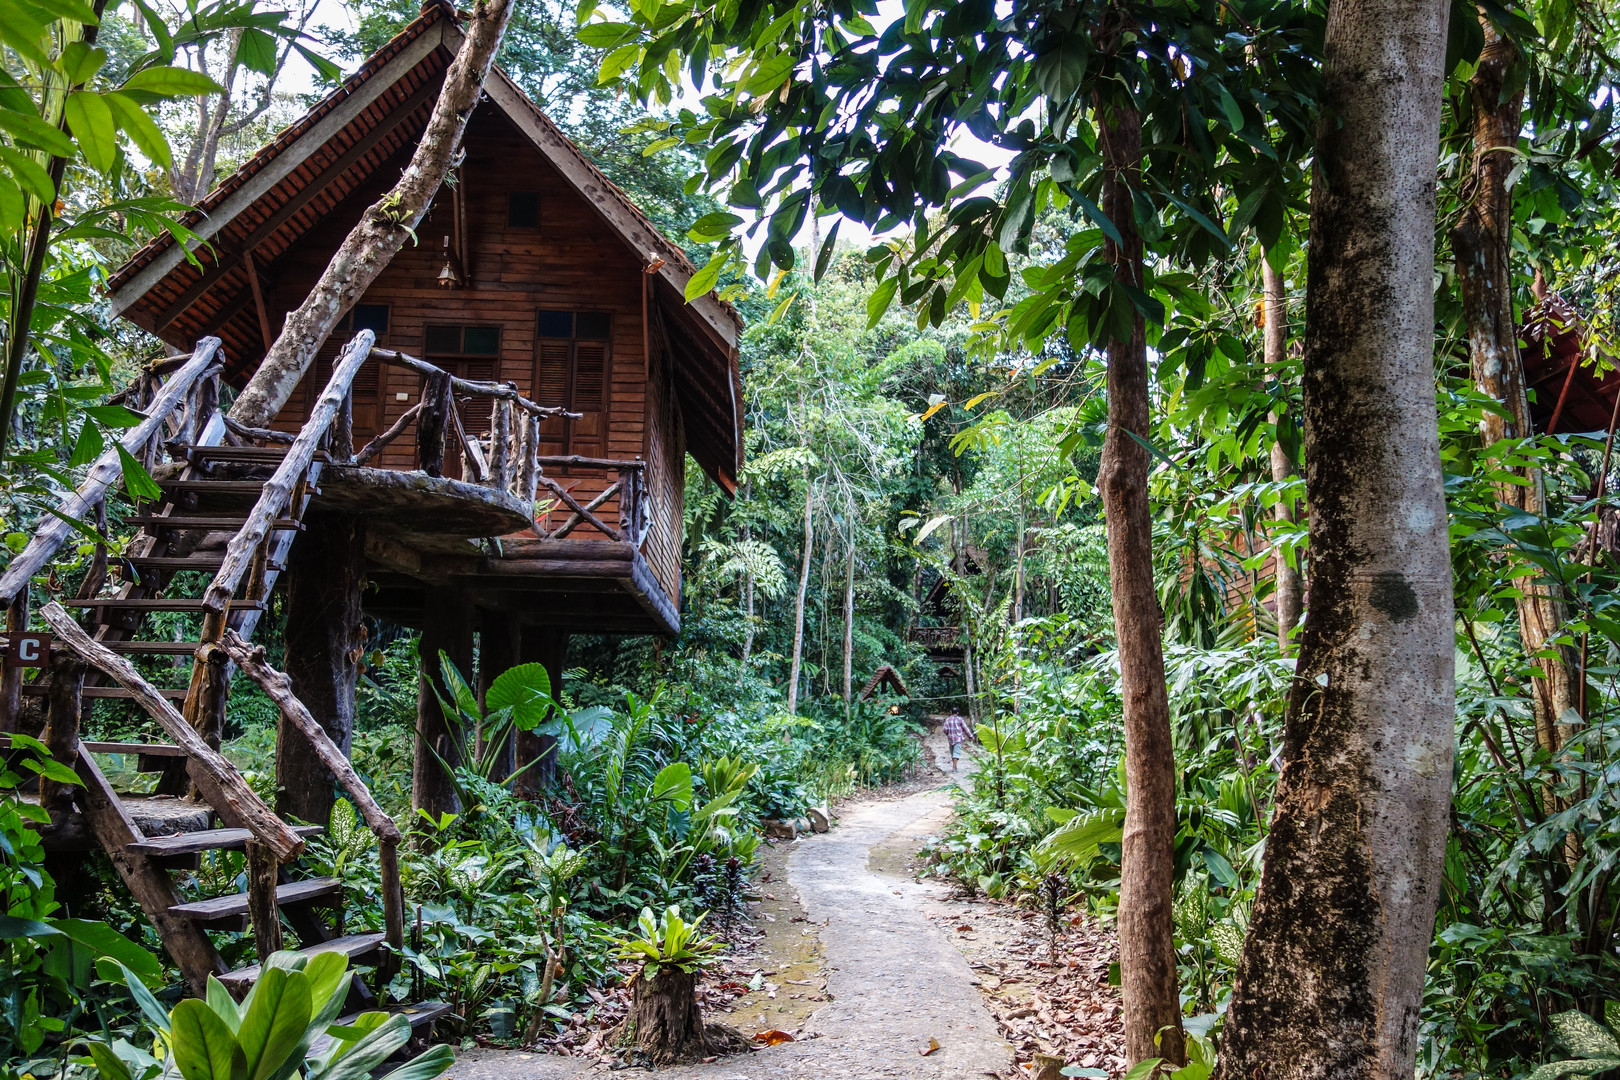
(551,386)
(590,375)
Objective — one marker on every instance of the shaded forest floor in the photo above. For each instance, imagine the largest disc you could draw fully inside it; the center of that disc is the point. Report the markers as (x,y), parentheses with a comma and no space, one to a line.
(866,968)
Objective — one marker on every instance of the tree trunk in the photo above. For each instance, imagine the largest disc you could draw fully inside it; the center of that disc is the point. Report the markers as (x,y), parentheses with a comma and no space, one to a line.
(798,602)
(1290,582)
(1331,977)
(666,1024)
(325,636)
(448,627)
(849,625)
(748,589)
(1481,243)
(548,647)
(383,228)
(1147,956)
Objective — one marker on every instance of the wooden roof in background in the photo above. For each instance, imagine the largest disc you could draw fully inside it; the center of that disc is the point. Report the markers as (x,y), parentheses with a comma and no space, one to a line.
(1555,360)
(315,167)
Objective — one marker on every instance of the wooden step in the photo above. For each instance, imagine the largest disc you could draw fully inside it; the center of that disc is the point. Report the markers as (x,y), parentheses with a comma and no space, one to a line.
(212,560)
(353,946)
(273,454)
(236,904)
(212,522)
(143,749)
(173,693)
(220,487)
(164,648)
(168,603)
(208,840)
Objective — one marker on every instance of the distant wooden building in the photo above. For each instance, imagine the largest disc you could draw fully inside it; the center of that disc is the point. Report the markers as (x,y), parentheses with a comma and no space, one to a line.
(531,269)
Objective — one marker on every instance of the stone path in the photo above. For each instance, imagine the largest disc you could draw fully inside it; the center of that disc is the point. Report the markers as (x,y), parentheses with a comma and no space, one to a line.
(896,981)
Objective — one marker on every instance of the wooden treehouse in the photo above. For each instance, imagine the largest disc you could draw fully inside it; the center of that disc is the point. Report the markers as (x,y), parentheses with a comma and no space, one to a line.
(492,442)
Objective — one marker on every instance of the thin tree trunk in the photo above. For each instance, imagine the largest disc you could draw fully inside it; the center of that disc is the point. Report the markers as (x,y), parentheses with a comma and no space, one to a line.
(798,603)
(1147,956)
(1481,243)
(748,589)
(1331,977)
(1290,589)
(383,228)
(849,625)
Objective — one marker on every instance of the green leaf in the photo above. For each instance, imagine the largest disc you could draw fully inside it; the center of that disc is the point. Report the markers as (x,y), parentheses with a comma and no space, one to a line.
(436,1062)
(257,51)
(219,999)
(204,1048)
(30,174)
(1584,1036)
(769,74)
(604,35)
(879,301)
(704,280)
(12,926)
(617,62)
(105,941)
(114,971)
(137,481)
(359,1059)
(140,127)
(91,121)
(53,770)
(80,61)
(673,785)
(526,690)
(108,1064)
(29,128)
(172,82)
(275,1021)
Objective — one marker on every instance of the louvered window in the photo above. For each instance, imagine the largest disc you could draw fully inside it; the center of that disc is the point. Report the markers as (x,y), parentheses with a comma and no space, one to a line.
(472,353)
(366,389)
(571,370)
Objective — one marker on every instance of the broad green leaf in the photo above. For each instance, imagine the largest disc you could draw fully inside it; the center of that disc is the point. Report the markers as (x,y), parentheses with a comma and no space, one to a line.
(104,940)
(91,121)
(673,785)
(108,1064)
(204,1048)
(436,1062)
(617,62)
(139,126)
(1583,1035)
(604,35)
(26,126)
(526,690)
(275,1021)
(137,481)
(879,301)
(11,926)
(172,82)
(29,173)
(704,280)
(257,51)
(80,61)
(359,1059)
(219,999)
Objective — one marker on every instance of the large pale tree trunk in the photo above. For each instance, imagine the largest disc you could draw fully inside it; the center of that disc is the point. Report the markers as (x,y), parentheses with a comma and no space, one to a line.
(1331,977)
(1147,956)
(1481,243)
(798,603)
(849,624)
(1290,590)
(383,228)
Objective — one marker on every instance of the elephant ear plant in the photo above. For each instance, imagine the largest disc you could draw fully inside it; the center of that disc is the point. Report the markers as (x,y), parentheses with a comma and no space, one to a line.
(283,1030)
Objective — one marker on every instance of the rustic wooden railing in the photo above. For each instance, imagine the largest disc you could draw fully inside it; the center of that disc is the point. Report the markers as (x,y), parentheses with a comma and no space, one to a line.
(935,636)
(174,411)
(629,486)
(251,659)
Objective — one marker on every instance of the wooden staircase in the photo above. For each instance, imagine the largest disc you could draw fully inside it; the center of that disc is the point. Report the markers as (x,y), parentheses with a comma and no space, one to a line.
(211,545)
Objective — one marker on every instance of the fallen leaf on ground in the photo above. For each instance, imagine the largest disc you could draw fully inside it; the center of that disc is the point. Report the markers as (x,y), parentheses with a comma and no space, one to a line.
(773,1037)
(933,1044)
(964,928)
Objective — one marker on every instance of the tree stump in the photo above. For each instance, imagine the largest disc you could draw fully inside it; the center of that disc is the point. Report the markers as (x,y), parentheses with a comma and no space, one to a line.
(665,1025)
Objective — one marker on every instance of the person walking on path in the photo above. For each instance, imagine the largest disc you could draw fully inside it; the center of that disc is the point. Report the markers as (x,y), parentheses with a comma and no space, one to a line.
(957,731)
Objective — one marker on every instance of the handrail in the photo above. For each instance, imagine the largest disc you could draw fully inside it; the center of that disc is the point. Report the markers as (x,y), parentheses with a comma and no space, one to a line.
(222,785)
(251,659)
(50,535)
(468,386)
(278,490)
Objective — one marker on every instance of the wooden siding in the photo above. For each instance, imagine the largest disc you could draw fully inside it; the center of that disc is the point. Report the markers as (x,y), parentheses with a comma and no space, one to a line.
(570,262)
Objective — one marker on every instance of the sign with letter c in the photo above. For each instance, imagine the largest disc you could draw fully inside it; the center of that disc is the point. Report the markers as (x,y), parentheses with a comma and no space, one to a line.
(28,650)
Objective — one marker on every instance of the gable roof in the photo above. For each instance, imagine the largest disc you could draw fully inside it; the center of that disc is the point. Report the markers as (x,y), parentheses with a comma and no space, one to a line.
(292,184)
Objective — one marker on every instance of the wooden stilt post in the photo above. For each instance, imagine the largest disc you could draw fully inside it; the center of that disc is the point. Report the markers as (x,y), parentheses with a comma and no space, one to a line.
(325,571)
(549,647)
(10,676)
(62,733)
(448,628)
(262,873)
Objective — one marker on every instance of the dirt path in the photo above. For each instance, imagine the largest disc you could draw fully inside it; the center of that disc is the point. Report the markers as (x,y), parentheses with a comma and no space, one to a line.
(895,978)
